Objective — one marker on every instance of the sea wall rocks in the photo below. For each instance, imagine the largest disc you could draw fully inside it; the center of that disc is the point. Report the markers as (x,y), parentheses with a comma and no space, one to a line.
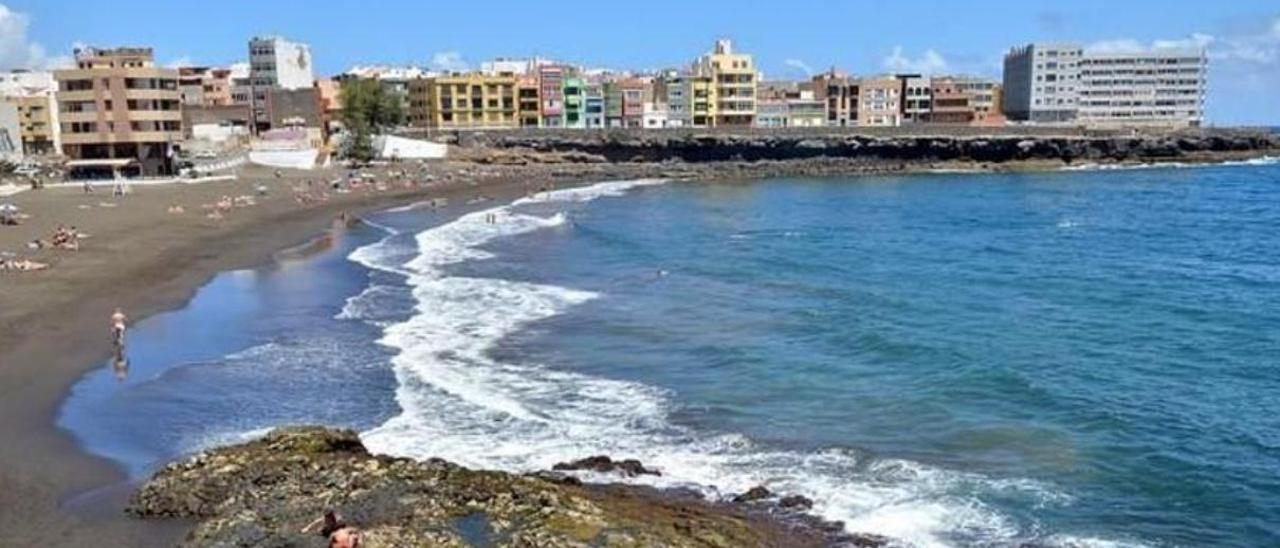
(653,146)
(265,492)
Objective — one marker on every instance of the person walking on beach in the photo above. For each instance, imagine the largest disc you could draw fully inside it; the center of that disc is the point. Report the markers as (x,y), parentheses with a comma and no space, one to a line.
(118,320)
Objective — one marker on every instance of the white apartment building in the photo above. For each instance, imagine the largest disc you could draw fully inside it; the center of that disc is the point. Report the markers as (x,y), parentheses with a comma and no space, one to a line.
(1063,83)
(276,63)
(1159,88)
(1041,83)
(917,99)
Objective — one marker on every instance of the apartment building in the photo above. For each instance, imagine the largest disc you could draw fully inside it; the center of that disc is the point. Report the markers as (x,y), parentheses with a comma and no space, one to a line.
(119,113)
(594,105)
(551,94)
(735,81)
(917,98)
(31,95)
(880,102)
(575,102)
(204,86)
(527,101)
(789,104)
(952,103)
(276,63)
(839,94)
(464,101)
(1041,83)
(1152,88)
(624,103)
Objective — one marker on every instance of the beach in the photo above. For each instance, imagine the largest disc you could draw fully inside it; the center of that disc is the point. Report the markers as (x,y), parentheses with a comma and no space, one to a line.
(143,258)
(53,323)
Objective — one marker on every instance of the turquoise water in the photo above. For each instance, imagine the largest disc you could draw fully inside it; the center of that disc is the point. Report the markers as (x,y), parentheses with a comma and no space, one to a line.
(1080,358)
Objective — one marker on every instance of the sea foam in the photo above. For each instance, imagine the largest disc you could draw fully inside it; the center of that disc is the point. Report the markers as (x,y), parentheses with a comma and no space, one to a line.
(459,403)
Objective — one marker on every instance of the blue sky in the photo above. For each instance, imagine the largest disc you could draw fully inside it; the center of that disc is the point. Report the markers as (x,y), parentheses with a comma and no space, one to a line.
(788,38)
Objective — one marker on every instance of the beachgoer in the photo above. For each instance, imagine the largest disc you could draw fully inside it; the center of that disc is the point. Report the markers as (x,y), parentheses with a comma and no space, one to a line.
(118,320)
(340,534)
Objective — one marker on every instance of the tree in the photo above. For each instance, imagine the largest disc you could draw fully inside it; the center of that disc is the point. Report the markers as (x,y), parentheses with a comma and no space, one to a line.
(368,109)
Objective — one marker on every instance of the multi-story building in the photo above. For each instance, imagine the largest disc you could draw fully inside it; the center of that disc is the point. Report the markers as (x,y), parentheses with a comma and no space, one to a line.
(880,102)
(594,105)
(574,102)
(464,101)
(839,94)
(32,96)
(656,115)
(204,86)
(551,94)
(1041,83)
(276,63)
(119,112)
(787,105)
(952,103)
(527,102)
(1153,88)
(917,98)
(735,78)
(624,103)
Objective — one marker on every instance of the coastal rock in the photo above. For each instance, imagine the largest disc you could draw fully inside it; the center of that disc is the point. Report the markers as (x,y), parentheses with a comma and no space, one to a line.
(796,502)
(754,494)
(263,493)
(884,146)
(628,467)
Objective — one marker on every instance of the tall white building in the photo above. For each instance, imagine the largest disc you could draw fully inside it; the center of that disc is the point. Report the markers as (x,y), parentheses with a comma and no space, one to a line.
(276,63)
(1159,88)
(1064,83)
(1041,83)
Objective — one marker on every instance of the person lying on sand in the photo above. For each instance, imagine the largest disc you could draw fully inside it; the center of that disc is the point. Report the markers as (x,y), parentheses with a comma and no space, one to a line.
(177,209)
(21,265)
(66,238)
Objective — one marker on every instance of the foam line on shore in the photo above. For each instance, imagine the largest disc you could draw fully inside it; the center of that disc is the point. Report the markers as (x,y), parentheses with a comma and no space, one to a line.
(460,404)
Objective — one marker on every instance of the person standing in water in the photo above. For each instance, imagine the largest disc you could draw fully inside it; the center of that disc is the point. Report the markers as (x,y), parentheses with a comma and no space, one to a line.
(118,320)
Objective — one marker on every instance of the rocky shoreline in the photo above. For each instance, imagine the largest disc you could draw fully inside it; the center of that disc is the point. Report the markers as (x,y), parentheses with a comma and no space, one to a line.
(692,147)
(264,493)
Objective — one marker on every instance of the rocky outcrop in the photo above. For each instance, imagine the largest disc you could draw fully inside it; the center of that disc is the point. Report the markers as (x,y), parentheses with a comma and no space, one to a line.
(264,493)
(627,467)
(522,148)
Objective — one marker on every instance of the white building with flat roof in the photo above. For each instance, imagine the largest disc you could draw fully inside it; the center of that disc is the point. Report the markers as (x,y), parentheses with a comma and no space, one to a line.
(1064,83)
(276,63)
(1041,83)
(1151,88)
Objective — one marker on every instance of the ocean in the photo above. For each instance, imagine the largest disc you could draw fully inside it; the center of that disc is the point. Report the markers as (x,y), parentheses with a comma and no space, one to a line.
(1079,358)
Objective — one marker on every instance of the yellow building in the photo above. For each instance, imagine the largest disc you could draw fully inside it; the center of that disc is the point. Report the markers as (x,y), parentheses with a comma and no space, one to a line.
(734,83)
(464,101)
(36,124)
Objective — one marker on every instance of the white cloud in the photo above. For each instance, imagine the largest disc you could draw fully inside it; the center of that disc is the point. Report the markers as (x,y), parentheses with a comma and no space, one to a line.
(181,62)
(448,61)
(800,66)
(16,49)
(1262,47)
(931,62)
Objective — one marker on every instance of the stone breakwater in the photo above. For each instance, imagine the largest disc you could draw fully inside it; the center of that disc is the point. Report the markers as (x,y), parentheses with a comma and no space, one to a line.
(687,147)
(263,493)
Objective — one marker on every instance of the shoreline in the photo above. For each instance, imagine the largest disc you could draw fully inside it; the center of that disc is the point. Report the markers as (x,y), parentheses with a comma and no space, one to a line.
(52,346)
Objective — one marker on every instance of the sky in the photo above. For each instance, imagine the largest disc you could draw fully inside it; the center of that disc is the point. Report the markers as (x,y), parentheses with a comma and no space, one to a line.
(789,39)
